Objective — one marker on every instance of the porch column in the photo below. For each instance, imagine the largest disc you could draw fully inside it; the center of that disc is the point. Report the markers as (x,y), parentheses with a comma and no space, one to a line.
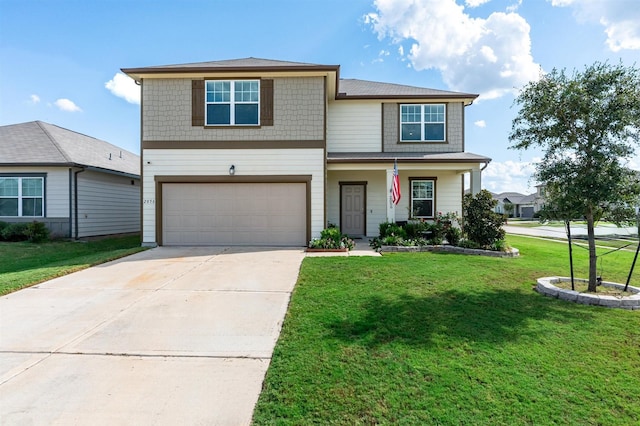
(475,181)
(391,208)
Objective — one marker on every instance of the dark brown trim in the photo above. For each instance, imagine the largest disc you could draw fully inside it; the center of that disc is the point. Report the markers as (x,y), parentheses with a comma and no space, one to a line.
(402,160)
(357,183)
(197,103)
(241,144)
(162,179)
(266,102)
(435,194)
(231,69)
(400,99)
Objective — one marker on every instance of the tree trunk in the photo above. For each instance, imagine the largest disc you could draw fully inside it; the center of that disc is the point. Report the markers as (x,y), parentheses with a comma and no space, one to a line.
(593,259)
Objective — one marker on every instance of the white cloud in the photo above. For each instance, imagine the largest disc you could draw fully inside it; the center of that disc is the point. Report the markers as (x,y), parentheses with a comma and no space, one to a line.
(509,176)
(124,87)
(476,3)
(491,56)
(480,123)
(67,105)
(620,19)
(35,99)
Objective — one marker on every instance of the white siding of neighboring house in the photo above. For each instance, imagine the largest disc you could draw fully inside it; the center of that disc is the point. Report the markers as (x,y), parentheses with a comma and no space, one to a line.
(204,162)
(354,126)
(448,194)
(107,204)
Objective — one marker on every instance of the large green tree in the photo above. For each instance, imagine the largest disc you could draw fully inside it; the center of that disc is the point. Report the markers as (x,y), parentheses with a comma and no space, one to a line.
(588,126)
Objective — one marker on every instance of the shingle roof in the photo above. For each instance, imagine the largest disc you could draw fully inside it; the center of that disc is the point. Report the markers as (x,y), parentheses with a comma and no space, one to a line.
(243,64)
(409,157)
(364,88)
(36,142)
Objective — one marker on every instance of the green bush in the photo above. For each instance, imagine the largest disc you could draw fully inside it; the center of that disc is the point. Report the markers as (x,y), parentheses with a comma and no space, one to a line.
(37,232)
(332,238)
(482,225)
(15,232)
(453,235)
(415,229)
(392,229)
(3,225)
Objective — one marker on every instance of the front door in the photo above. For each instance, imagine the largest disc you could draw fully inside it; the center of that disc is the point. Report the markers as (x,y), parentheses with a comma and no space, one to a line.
(352,209)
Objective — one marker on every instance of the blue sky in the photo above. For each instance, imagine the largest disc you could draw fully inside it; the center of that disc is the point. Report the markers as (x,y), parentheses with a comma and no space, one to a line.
(60,60)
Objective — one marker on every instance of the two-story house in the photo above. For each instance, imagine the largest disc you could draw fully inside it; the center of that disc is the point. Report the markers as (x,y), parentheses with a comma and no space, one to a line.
(263,152)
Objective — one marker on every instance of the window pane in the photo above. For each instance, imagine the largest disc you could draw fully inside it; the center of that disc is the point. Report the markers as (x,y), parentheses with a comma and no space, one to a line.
(31,187)
(422,208)
(246,91)
(434,132)
(8,207)
(246,114)
(410,114)
(218,114)
(422,189)
(218,91)
(411,132)
(8,187)
(32,207)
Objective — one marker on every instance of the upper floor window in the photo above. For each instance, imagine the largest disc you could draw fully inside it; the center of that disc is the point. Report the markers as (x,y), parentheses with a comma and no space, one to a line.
(22,196)
(232,102)
(423,123)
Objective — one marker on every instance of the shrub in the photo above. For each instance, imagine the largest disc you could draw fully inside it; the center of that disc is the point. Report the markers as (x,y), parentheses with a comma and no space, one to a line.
(332,238)
(453,235)
(482,225)
(391,229)
(3,225)
(15,232)
(37,232)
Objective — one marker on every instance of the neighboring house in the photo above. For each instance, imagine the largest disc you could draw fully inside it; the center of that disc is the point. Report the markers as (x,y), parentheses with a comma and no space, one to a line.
(77,185)
(524,206)
(263,152)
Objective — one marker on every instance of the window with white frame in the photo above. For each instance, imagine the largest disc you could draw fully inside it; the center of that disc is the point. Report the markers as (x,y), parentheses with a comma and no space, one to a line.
(232,102)
(423,123)
(21,196)
(422,198)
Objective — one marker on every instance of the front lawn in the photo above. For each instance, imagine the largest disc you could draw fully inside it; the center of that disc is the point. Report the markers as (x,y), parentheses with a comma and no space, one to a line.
(23,264)
(425,338)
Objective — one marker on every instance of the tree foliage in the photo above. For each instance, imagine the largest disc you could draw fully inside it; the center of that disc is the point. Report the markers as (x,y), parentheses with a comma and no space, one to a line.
(588,125)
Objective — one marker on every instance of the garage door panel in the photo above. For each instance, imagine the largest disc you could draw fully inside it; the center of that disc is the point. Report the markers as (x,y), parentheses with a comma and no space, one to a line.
(234,214)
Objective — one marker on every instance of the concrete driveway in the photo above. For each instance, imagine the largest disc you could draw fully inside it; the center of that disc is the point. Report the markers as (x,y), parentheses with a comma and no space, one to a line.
(166,336)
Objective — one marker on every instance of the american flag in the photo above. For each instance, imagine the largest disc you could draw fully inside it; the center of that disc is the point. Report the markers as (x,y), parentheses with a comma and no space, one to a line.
(395,189)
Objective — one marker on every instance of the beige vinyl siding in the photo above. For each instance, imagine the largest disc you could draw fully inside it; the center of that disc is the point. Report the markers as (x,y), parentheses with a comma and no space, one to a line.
(448,194)
(202,162)
(57,190)
(354,126)
(298,109)
(107,204)
(376,212)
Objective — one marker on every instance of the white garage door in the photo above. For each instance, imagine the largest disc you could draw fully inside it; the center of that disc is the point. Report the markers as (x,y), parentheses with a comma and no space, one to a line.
(262,214)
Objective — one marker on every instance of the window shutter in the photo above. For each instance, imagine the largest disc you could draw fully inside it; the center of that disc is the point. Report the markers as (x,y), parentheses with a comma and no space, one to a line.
(266,102)
(197,102)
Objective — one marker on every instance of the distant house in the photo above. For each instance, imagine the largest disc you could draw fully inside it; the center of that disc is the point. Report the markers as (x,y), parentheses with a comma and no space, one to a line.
(77,185)
(524,206)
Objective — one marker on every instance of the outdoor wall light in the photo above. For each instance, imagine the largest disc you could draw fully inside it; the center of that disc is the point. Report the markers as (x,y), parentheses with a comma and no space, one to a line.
(232,170)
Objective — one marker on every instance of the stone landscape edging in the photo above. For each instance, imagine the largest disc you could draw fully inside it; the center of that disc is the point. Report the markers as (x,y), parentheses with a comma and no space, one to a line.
(546,287)
(450,249)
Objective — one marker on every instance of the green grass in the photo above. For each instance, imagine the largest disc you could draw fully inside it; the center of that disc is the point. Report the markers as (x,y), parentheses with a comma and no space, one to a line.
(424,338)
(24,264)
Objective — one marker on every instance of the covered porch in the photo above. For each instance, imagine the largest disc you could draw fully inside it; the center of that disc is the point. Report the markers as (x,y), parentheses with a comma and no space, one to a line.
(358,189)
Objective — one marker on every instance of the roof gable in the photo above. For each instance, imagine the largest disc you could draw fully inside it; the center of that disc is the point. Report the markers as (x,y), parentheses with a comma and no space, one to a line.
(37,142)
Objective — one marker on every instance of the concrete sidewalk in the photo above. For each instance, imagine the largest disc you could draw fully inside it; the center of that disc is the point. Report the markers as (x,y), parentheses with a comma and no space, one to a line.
(166,336)
(576,231)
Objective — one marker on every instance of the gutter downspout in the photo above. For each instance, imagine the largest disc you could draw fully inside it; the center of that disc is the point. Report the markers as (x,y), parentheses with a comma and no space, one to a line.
(485,166)
(70,202)
(75,198)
